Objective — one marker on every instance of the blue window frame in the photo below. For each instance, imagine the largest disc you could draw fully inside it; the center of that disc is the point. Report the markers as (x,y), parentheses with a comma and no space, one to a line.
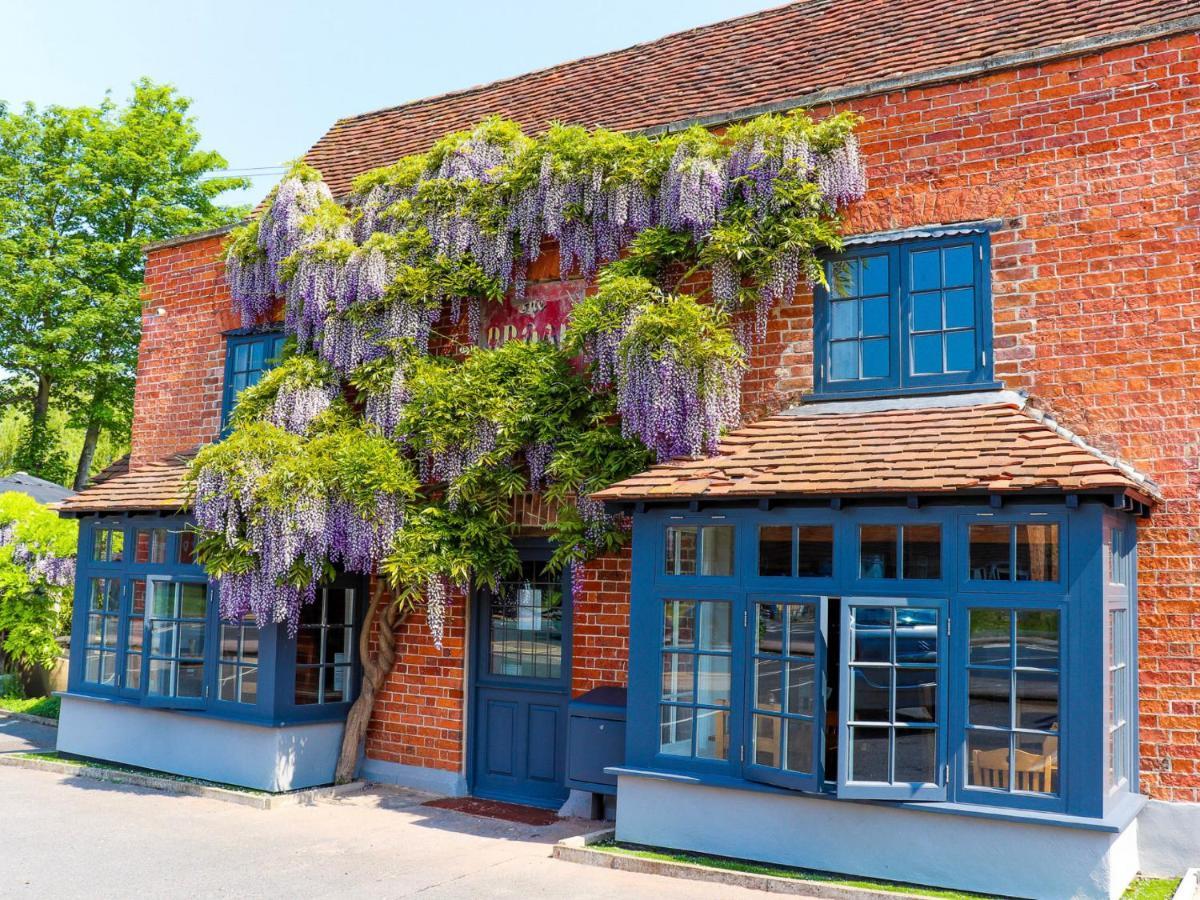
(955,684)
(152,634)
(247,357)
(905,316)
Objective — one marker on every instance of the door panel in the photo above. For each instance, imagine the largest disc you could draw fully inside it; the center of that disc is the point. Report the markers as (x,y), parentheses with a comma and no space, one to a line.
(521,644)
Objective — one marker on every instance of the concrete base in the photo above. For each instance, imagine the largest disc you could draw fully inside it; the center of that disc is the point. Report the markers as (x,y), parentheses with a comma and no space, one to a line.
(265,758)
(433,781)
(878,841)
(1169,838)
(578,805)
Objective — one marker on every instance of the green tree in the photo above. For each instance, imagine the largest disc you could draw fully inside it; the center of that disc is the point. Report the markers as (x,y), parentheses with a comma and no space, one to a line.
(81,190)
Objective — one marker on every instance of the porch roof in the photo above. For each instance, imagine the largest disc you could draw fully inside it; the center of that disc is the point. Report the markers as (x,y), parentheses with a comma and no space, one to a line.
(998,447)
(150,487)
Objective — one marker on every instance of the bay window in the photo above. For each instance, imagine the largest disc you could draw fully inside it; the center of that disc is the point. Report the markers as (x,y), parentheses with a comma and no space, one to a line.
(152,633)
(942,653)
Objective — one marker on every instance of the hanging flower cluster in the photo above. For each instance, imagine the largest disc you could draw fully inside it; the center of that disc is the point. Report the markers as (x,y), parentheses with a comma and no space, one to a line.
(41,562)
(366,284)
(279,508)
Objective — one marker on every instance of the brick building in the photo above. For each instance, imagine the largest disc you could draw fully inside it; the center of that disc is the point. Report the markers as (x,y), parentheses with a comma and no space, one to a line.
(1043,156)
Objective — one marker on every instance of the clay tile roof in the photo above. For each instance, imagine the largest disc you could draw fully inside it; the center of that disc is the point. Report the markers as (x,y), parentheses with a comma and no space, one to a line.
(770,57)
(992,447)
(150,487)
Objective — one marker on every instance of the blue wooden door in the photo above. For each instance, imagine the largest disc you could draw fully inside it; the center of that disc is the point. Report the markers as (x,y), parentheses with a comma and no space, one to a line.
(522,662)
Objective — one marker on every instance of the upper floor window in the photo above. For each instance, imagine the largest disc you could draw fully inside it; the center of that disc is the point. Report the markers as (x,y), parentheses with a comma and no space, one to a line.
(247,357)
(906,316)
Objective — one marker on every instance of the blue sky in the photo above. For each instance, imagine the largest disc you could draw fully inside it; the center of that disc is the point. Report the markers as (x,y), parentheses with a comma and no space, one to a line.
(268,78)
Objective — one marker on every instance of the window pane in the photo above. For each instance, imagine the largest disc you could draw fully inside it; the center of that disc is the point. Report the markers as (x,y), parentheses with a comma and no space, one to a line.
(678,677)
(873,275)
(843,277)
(960,351)
(769,630)
(193,601)
(100,538)
(799,745)
(337,680)
(1037,700)
(187,548)
(308,681)
(872,634)
(675,730)
(308,646)
(1037,553)
(988,754)
(714,625)
(875,358)
(133,671)
(802,629)
(227,683)
(191,680)
(680,630)
(925,270)
(916,755)
(815,551)
(151,545)
(716,548)
(960,308)
(843,322)
(249,692)
(872,689)
(927,311)
(1037,764)
(768,750)
(139,598)
(250,638)
(681,550)
(991,638)
(916,635)
(161,680)
(922,551)
(768,679)
(877,551)
(162,604)
(875,317)
(843,360)
(801,688)
(958,266)
(927,354)
(869,754)
(775,550)
(916,696)
(230,641)
(989,546)
(1037,638)
(134,642)
(162,638)
(712,734)
(988,702)
(339,606)
(712,685)
(191,641)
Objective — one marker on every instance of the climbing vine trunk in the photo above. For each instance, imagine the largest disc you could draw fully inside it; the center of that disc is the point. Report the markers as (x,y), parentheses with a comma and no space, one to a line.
(383,607)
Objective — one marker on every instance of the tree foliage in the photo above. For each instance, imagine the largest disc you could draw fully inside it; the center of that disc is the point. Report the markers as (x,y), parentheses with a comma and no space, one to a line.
(37,577)
(81,190)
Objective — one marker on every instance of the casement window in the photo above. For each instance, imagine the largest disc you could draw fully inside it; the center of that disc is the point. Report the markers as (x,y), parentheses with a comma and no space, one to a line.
(905,316)
(910,655)
(151,633)
(247,358)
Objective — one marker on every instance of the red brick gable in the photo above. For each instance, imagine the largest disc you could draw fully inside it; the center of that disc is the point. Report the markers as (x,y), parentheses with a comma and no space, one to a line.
(765,58)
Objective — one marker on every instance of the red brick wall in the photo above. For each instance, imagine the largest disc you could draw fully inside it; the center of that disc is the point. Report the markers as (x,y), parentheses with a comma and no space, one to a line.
(181,364)
(600,635)
(418,716)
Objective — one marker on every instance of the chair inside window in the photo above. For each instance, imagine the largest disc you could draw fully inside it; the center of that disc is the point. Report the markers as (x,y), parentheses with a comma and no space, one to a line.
(1034,772)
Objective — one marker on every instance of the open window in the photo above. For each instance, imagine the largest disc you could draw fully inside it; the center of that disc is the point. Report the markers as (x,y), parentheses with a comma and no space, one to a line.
(892,717)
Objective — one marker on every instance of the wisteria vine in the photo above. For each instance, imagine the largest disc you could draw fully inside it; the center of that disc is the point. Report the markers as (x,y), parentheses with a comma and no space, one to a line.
(367,281)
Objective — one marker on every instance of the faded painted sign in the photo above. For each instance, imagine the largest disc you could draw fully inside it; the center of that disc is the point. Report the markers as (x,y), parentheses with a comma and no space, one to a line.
(541,316)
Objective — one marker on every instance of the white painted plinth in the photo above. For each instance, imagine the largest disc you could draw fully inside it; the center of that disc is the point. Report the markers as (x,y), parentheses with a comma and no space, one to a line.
(877,841)
(265,758)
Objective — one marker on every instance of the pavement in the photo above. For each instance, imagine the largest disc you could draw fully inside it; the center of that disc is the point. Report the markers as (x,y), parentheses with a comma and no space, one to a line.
(66,837)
